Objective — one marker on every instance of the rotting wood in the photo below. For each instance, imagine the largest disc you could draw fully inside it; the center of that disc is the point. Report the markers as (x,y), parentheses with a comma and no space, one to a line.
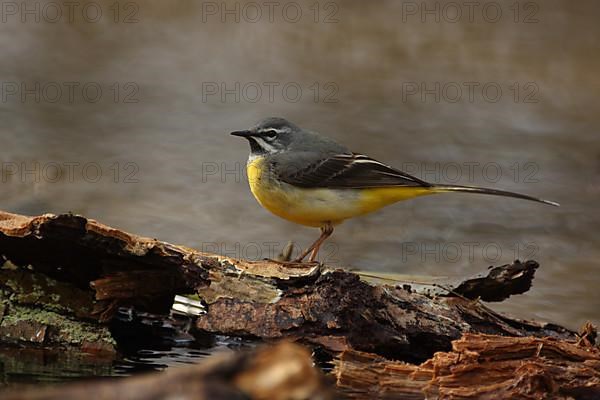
(500,283)
(340,311)
(478,367)
(39,310)
(78,251)
(126,269)
(263,299)
(91,266)
(62,274)
(281,372)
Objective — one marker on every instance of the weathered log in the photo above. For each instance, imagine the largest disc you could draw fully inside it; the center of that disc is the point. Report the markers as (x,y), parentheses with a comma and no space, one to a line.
(82,271)
(80,252)
(340,311)
(478,367)
(264,299)
(284,371)
(128,269)
(59,275)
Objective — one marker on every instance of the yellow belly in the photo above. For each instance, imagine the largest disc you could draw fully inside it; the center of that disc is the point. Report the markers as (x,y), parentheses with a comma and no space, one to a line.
(315,207)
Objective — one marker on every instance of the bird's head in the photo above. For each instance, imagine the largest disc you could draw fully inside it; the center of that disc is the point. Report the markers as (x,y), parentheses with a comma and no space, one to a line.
(270,136)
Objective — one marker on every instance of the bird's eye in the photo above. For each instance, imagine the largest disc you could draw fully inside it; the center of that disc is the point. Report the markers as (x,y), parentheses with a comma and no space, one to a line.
(271,133)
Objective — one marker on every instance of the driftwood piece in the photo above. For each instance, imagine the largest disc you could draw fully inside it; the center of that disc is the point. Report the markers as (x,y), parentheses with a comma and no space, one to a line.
(62,274)
(80,252)
(340,311)
(500,283)
(478,367)
(120,268)
(264,299)
(284,371)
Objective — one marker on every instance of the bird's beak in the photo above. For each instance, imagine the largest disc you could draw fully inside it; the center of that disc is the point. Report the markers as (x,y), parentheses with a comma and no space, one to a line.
(245,134)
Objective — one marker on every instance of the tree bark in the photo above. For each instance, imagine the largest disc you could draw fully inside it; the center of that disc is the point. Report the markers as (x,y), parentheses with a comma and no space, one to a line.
(339,311)
(478,367)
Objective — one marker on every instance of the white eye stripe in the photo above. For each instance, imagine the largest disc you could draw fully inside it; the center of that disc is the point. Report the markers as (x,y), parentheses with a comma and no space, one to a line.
(284,129)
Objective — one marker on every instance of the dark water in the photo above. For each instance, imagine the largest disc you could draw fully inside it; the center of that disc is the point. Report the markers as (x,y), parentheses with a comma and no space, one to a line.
(24,367)
(507,100)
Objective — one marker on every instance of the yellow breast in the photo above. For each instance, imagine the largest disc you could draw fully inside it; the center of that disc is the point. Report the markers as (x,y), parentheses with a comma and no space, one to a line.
(315,207)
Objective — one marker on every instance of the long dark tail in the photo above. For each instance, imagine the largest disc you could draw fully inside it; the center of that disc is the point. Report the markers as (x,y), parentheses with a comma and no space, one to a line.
(495,192)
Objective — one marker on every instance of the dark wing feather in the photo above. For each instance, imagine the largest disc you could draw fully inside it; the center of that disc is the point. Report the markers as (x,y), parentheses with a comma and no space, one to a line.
(349,171)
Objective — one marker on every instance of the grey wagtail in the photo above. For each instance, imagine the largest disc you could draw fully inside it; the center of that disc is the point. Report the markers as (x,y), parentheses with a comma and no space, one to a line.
(311,180)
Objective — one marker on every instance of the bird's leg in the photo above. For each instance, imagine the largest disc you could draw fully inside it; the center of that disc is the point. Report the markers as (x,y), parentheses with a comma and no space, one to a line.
(313,249)
(305,252)
(326,232)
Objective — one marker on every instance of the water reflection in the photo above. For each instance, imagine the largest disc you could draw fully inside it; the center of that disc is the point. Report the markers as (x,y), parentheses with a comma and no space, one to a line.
(21,367)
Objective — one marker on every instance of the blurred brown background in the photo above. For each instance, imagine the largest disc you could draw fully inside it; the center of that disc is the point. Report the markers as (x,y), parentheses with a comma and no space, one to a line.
(124,117)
